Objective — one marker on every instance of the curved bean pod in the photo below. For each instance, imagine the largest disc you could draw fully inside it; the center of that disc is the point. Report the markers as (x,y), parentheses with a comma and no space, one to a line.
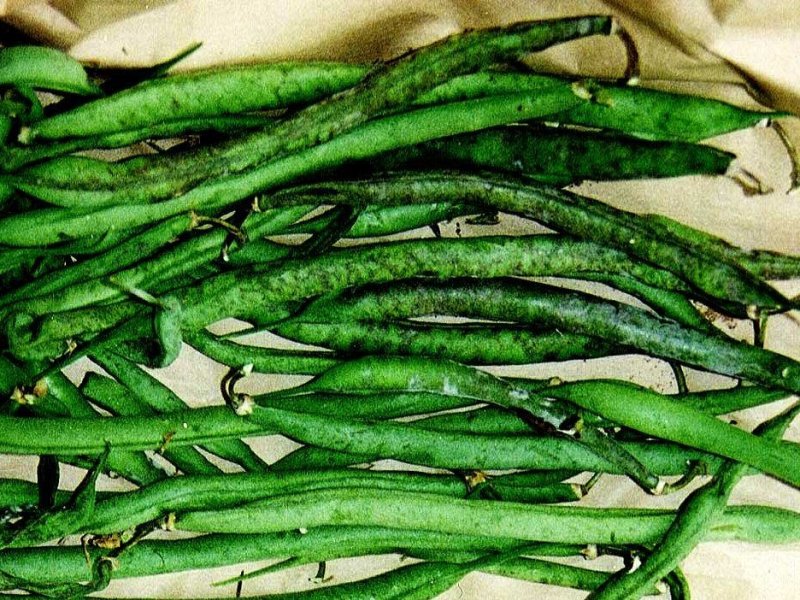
(44,68)
(389,88)
(537,304)
(562,157)
(653,414)
(201,94)
(638,111)
(561,210)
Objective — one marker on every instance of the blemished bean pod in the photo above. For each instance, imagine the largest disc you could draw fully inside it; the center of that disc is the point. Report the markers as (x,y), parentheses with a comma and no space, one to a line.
(637,111)
(561,157)
(264,360)
(105,279)
(469,344)
(761,263)
(389,440)
(537,304)
(294,280)
(194,95)
(563,211)
(377,221)
(44,68)
(120,256)
(559,524)
(130,206)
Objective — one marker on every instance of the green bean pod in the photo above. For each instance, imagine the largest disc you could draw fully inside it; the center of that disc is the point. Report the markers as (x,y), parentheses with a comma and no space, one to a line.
(761,263)
(559,524)
(377,221)
(561,157)
(388,88)
(210,93)
(297,279)
(695,516)
(536,304)
(15,157)
(56,564)
(567,212)
(638,111)
(653,414)
(44,68)
(450,450)
(469,344)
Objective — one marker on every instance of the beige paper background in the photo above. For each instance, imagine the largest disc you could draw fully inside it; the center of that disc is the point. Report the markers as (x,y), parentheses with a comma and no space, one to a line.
(715,47)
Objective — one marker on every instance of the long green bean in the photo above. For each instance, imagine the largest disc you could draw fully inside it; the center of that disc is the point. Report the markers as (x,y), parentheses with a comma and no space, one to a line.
(469,344)
(208,94)
(638,111)
(562,210)
(560,524)
(561,156)
(75,436)
(536,304)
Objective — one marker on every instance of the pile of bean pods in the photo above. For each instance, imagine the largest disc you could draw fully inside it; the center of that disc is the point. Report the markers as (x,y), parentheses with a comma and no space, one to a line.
(267,199)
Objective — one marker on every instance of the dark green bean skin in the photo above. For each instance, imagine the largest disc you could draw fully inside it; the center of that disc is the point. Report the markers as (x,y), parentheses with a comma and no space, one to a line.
(133,249)
(476,344)
(562,157)
(264,360)
(241,294)
(720,402)
(761,263)
(560,524)
(537,304)
(637,111)
(89,283)
(563,211)
(202,94)
(134,207)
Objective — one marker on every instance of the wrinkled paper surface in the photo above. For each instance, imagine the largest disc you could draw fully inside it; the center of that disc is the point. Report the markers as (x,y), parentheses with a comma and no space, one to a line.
(735,50)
